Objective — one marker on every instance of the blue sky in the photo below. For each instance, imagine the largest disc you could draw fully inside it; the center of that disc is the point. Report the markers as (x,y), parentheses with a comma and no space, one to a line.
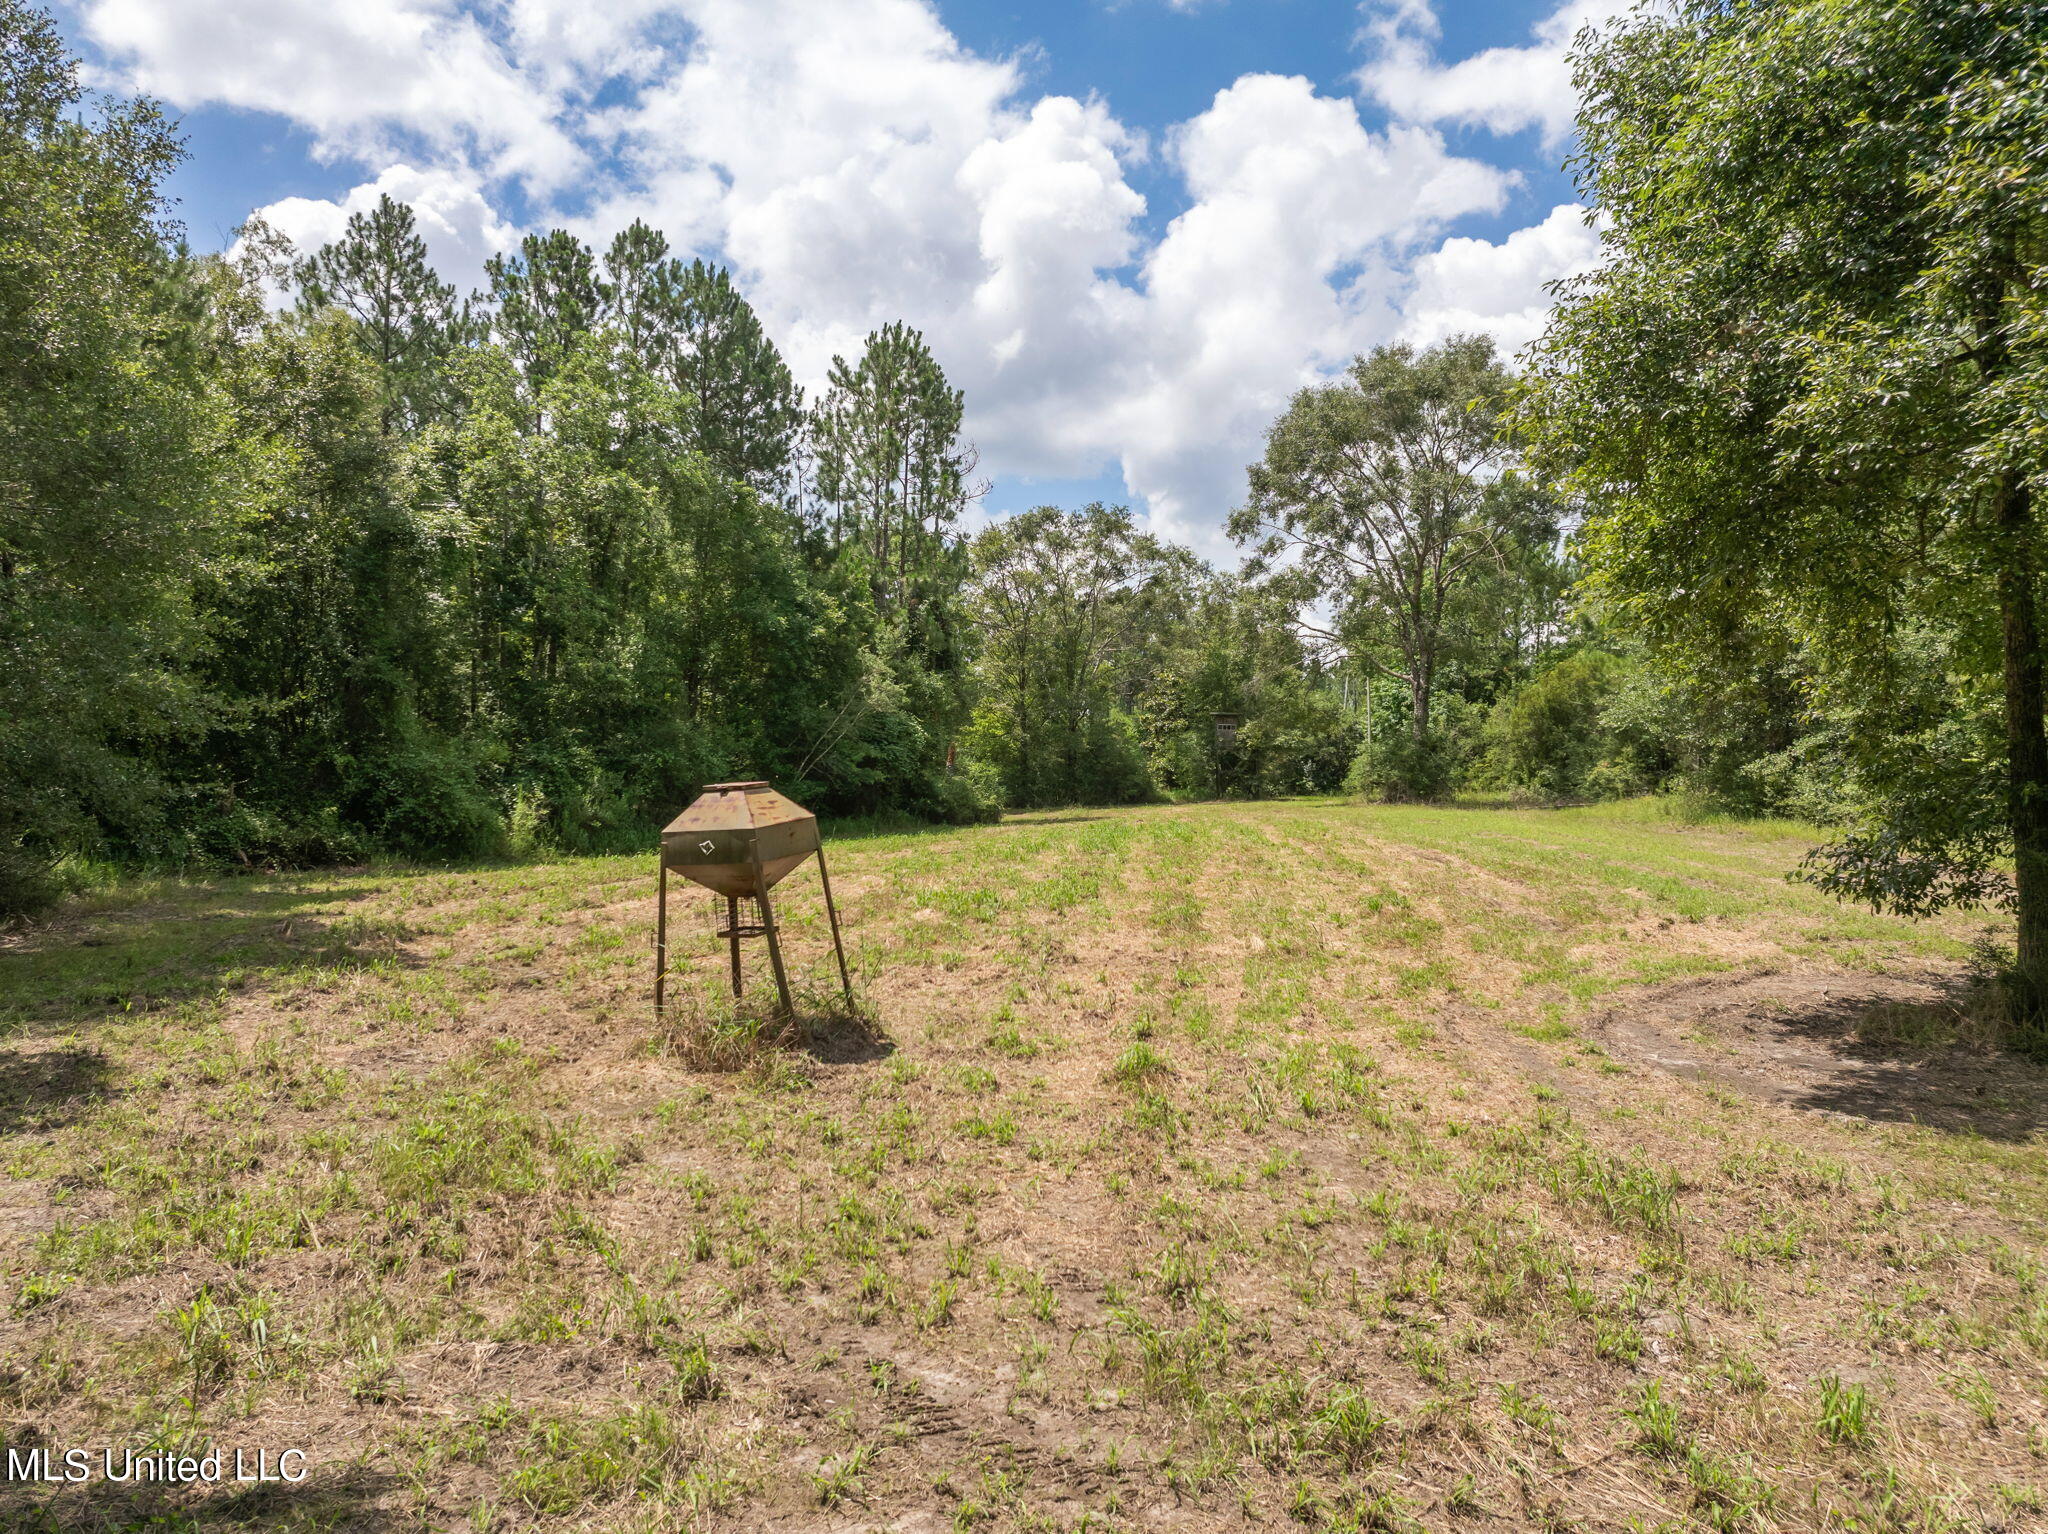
(1129,230)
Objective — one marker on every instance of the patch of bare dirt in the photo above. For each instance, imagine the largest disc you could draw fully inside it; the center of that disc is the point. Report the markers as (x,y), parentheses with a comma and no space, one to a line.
(1828,1042)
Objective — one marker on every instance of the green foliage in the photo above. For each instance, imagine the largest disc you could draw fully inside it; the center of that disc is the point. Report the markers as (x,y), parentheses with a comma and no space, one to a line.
(1221,645)
(387,572)
(1660,1427)
(747,411)
(970,798)
(1107,660)
(407,320)
(545,300)
(327,643)
(1398,765)
(1845,1412)
(892,477)
(381,573)
(1401,506)
(426,793)
(693,328)
(1802,393)
(1557,737)
(1061,601)
(1739,735)
(107,501)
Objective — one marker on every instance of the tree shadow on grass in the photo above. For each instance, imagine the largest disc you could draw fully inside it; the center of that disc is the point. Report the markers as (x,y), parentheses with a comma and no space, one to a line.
(349,1500)
(1931,1061)
(191,942)
(1887,1049)
(46,1089)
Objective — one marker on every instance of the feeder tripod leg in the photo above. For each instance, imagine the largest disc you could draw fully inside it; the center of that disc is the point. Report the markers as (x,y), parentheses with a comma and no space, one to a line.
(732,927)
(661,941)
(832,915)
(774,938)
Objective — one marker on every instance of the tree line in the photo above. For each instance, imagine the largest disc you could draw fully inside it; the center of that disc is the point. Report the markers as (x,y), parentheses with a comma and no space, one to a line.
(393,569)
(390,569)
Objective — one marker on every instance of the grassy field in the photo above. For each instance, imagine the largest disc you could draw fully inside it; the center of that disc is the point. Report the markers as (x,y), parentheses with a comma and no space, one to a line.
(1296,1165)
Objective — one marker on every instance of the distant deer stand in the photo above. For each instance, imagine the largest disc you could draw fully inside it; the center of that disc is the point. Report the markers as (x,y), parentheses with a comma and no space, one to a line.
(740,840)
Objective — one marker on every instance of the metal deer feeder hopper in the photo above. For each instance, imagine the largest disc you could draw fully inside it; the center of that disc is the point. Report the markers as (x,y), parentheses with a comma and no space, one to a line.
(740,840)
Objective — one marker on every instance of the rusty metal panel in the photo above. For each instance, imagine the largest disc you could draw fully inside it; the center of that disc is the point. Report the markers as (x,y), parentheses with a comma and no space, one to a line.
(786,839)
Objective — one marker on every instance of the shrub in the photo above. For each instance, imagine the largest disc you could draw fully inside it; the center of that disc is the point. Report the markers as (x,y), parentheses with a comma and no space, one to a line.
(1400,767)
(207,827)
(1553,736)
(28,880)
(1306,748)
(972,797)
(599,815)
(1098,760)
(422,794)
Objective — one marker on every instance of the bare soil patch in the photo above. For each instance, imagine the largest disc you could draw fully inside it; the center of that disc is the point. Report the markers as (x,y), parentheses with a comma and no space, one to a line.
(1878,1047)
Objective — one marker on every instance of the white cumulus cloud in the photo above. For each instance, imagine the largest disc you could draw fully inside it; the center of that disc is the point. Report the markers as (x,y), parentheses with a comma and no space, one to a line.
(1502,89)
(1466,286)
(855,164)
(459,226)
(1279,272)
(362,76)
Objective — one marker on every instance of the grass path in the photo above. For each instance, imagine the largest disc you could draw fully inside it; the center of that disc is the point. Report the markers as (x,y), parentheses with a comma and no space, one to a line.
(1291,1165)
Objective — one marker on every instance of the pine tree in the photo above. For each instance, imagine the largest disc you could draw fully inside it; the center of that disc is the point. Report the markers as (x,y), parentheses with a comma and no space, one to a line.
(748,408)
(547,297)
(691,326)
(638,293)
(407,318)
(891,467)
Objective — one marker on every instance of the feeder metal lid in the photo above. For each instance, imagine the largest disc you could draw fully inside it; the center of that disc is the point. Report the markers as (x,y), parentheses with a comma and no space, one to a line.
(739,838)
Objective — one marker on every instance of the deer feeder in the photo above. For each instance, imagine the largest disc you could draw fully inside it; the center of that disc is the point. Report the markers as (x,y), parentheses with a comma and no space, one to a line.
(740,840)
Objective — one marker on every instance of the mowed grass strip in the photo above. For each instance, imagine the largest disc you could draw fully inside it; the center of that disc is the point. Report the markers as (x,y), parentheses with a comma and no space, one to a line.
(1305,1163)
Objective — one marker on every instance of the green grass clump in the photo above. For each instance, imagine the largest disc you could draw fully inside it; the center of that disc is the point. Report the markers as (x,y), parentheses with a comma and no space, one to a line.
(1845,1412)
(1139,1065)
